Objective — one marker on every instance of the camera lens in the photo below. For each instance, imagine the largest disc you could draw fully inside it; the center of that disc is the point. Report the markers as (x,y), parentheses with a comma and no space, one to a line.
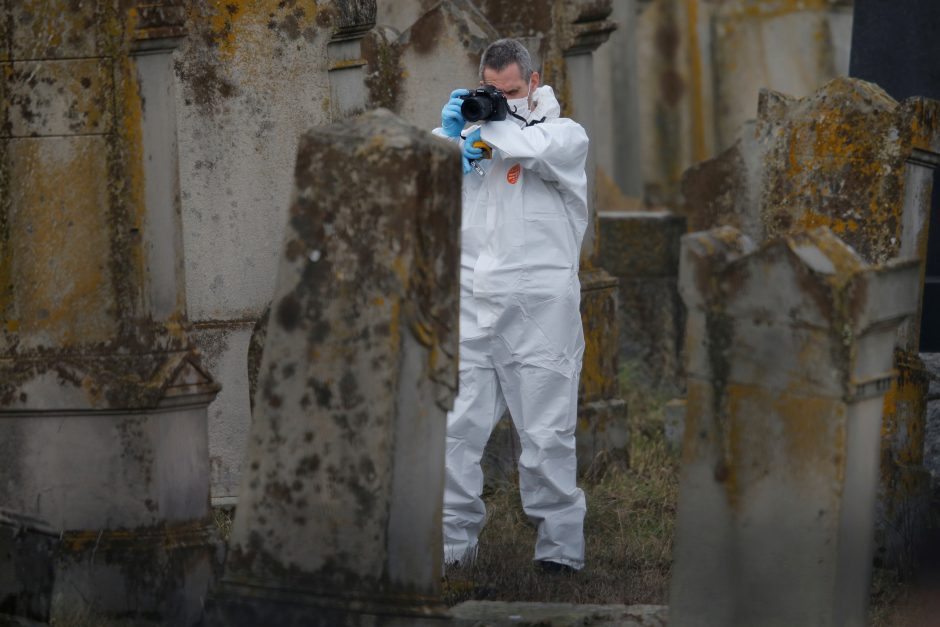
(476,108)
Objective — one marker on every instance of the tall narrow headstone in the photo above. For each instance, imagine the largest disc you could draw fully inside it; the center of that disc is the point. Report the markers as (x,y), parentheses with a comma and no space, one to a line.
(789,353)
(103,444)
(339,515)
(251,78)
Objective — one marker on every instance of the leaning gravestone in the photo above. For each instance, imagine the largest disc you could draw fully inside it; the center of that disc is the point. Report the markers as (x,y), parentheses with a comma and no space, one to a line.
(339,517)
(789,352)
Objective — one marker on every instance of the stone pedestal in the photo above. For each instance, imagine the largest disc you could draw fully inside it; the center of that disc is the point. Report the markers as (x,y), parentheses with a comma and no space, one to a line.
(789,352)
(641,249)
(339,515)
(103,444)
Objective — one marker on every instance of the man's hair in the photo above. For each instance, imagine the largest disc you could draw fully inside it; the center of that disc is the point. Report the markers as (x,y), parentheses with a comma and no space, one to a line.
(503,52)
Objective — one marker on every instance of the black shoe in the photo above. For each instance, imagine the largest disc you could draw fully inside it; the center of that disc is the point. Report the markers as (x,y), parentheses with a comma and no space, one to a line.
(555,568)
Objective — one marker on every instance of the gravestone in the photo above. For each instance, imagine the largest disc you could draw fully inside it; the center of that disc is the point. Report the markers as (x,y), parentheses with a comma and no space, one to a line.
(851,158)
(251,78)
(789,354)
(895,45)
(103,444)
(641,249)
(339,517)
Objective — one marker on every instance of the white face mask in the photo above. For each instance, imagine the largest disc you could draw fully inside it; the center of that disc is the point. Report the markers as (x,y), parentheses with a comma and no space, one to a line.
(519,106)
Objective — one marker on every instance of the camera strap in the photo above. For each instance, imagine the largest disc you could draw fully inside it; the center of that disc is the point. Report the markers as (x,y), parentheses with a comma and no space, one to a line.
(526,122)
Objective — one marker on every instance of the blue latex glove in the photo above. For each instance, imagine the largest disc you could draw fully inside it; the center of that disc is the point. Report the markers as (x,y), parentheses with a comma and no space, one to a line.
(469,152)
(451,119)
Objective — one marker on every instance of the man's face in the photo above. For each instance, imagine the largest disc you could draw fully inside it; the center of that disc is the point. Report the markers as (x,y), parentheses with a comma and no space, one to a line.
(509,81)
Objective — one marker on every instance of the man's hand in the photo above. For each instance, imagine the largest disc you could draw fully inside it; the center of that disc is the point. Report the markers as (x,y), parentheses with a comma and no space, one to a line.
(469,152)
(451,119)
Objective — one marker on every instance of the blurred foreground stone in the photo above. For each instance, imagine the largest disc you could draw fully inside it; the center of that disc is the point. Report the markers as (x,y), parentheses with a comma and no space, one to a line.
(339,515)
(789,353)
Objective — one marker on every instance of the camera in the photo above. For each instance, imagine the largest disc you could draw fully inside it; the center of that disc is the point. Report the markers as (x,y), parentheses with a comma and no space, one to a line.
(483,104)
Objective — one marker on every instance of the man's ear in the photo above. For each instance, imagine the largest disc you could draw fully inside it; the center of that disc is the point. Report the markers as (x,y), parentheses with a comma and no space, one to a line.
(534,82)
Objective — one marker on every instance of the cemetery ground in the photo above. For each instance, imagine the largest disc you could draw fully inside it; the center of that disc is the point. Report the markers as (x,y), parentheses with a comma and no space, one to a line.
(629,533)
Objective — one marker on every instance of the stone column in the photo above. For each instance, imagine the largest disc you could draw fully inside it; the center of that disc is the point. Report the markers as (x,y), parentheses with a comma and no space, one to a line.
(348,95)
(339,515)
(103,444)
(602,426)
(789,352)
(618,105)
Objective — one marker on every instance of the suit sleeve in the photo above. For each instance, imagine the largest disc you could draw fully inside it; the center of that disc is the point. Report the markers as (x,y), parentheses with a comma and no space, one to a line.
(556,150)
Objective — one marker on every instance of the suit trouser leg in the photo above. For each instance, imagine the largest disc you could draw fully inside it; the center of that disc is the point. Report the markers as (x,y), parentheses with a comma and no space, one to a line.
(543,404)
(479,405)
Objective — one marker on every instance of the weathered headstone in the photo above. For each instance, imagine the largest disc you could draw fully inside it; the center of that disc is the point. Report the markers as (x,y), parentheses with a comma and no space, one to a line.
(237,144)
(851,158)
(896,46)
(641,249)
(339,516)
(103,444)
(789,352)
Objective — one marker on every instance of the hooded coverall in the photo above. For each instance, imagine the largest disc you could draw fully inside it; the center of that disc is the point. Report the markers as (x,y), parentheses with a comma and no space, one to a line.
(521,340)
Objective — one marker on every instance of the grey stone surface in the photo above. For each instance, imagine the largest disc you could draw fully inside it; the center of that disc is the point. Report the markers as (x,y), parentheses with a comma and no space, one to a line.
(358,371)
(505,614)
(790,351)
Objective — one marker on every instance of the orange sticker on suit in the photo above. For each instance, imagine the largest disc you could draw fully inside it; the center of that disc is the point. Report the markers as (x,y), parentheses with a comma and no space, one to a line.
(513,175)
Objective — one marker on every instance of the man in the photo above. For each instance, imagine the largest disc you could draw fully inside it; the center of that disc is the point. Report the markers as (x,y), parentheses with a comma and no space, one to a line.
(521,341)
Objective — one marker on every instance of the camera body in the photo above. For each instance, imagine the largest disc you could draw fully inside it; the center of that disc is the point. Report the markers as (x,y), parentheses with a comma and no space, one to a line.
(484,104)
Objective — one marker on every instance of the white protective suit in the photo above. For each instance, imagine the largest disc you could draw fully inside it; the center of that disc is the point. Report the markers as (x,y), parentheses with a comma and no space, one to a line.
(521,341)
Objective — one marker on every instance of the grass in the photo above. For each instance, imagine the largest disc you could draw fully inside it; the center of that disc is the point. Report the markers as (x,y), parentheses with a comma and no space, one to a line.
(628,529)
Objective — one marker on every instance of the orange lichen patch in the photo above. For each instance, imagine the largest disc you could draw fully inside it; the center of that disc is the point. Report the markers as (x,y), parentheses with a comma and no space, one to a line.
(60,253)
(902,426)
(598,371)
(811,220)
(835,159)
(794,436)
(699,147)
(236,23)
(767,9)
(133,198)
